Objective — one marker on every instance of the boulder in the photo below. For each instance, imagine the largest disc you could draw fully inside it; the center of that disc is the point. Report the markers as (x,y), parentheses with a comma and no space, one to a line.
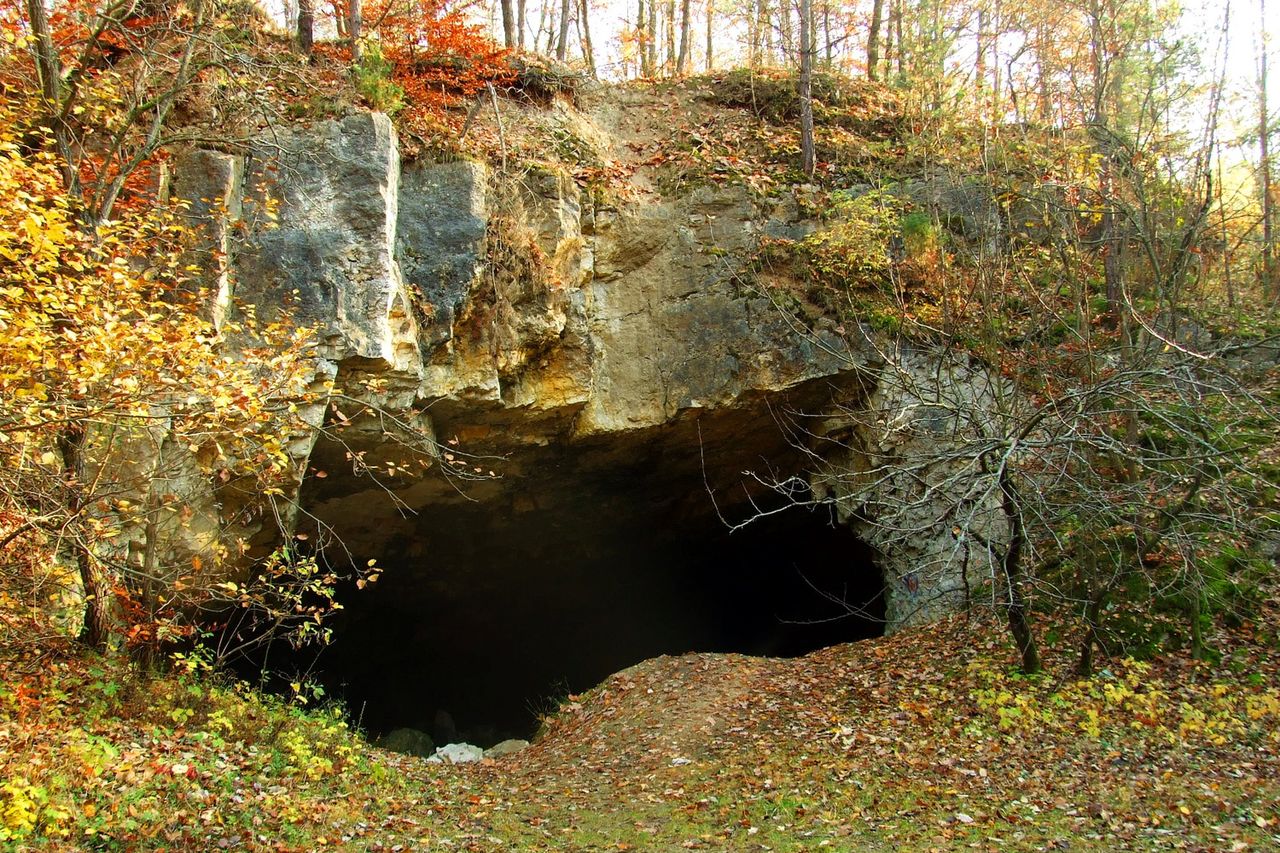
(506,747)
(457,753)
(407,741)
(445,729)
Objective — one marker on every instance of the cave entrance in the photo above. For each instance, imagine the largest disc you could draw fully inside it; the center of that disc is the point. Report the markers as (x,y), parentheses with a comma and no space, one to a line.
(483,621)
(582,558)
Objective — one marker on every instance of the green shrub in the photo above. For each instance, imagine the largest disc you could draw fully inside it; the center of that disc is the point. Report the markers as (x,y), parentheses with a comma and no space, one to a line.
(855,249)
(375,84)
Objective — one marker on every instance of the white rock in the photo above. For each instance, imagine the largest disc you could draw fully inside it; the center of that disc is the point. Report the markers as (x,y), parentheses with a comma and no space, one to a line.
(457,753)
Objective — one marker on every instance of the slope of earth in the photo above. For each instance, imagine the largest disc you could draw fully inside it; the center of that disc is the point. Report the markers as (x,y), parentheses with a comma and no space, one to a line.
(915,742)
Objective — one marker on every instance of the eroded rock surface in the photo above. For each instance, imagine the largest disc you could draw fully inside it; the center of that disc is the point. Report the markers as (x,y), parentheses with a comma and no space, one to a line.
(551,332)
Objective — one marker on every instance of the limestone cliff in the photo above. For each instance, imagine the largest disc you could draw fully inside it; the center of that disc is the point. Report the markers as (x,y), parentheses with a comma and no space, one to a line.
(562,334)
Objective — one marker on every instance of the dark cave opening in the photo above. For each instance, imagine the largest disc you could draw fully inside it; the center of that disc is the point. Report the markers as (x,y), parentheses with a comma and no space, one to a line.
(483,619)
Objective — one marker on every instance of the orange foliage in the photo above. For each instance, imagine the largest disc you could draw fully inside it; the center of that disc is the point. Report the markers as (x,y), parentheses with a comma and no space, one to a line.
(439,59)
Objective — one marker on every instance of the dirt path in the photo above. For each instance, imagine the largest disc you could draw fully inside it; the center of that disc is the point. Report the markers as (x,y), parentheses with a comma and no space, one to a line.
(662,713)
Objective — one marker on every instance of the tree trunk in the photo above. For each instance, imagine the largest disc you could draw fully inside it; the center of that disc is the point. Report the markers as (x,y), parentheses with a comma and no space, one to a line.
(1042,75)
(340,18)
(997,77)
(873,40)
(49,70)
(980,59)
(1228,282)
(522,21)
(895,30)
(1112,267)
(306,26)
(588,50)
(651,44)
(97,628)
(508,24)
(756,53)
(1092,617)
(669,10)
(686,34)
(48,66)
(1196,613)
(786,30)
(354,25)
(562,43)
(550,11)
(1016,603)
(711,9)
(807,156)
(766,24)
(826,33)
(1270,283)
(542,22)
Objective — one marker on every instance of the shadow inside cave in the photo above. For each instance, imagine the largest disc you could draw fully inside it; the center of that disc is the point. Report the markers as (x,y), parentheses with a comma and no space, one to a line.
(482,621)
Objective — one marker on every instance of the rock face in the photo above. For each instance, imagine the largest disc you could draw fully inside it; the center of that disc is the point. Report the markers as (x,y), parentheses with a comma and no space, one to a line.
(904,480)
(570,333)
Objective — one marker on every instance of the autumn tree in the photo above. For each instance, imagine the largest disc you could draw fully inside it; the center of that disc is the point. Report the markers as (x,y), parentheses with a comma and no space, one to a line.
(116,396)
(1105,452)
(110,79)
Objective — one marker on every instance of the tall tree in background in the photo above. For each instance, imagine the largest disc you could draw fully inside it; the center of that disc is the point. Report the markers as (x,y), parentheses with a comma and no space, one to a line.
(711,11)
(49,74)
(588,49)
(562,41)
(686,37)
(355,22)
(652,42)
(508,24)
(807,152)
(873,39)
(1270,281)
(669,22)
(306,25)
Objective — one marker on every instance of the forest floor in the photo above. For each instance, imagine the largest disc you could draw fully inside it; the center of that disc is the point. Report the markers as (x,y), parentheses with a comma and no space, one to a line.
(920,741)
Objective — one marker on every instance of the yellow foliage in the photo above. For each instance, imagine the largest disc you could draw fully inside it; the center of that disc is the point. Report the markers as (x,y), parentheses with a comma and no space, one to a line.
(103,343)
(19,808)
(1131,698)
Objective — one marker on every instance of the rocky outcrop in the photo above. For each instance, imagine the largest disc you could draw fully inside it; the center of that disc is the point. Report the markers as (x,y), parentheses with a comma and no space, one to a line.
(902,471)
(523,317)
